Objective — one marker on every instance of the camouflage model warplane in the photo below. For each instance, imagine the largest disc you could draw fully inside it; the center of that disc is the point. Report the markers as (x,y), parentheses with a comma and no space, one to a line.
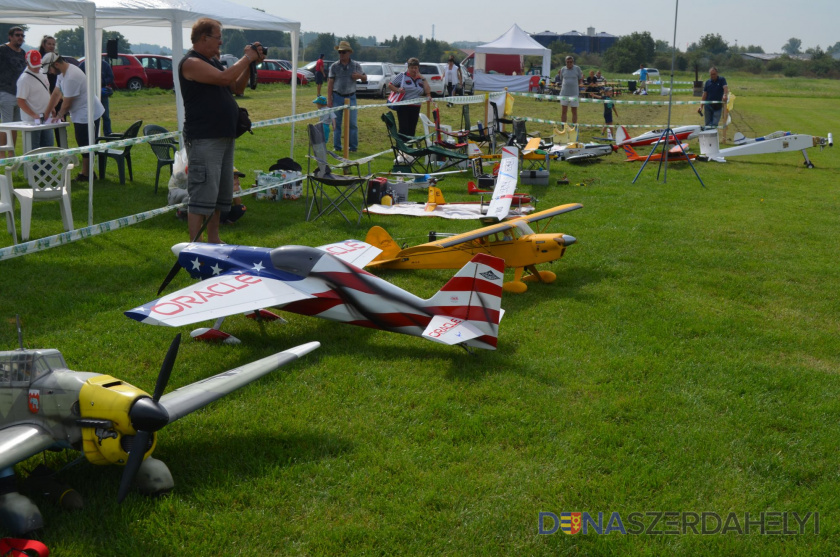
(512,240)
(46,406)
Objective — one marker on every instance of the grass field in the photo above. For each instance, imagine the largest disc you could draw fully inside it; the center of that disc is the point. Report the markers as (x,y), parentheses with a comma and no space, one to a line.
(685,360)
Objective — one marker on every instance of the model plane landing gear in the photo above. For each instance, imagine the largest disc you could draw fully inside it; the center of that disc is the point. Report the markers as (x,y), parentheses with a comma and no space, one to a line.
(214,334)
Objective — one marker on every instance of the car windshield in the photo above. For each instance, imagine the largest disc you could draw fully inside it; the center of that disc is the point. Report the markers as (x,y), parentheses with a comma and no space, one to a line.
(429,69)
(372,69)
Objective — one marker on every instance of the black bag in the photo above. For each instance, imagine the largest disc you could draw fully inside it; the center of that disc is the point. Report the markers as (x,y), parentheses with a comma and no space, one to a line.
(286,164)
(243,124)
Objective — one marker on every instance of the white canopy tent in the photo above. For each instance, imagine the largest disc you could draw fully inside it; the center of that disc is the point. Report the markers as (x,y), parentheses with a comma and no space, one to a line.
(513,41)
(175,14)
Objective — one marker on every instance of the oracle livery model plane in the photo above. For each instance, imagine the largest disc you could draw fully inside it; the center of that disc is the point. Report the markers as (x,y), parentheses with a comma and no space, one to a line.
(46,406)
(512,240)
(327,282)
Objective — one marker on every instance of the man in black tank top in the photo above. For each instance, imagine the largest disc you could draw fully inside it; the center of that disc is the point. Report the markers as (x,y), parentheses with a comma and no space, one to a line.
(210,120)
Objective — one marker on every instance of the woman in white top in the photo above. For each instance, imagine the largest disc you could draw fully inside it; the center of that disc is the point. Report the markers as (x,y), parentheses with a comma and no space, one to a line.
(452,77)
(411,83)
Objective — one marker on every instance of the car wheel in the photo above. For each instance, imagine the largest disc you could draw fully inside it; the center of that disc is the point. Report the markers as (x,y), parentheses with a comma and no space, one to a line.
(134,84)
(385,93)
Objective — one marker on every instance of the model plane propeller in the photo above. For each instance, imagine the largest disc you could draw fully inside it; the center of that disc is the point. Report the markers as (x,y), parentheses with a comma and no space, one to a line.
(46,406)
(514,241)
(327,282)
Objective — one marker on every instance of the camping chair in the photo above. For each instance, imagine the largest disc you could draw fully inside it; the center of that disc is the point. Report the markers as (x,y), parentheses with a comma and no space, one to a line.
(164,150)
(7,205)
(322,182)
(480,135)
(49,180)
(414,157)
(121,154)
(454,139)
(534,84)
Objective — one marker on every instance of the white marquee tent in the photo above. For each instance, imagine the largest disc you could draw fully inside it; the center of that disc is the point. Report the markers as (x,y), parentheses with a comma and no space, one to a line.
(513,41)
(175,14)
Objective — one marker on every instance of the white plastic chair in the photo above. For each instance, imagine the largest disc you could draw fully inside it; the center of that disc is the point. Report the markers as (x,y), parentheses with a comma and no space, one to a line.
(7,205)
(50,181)
(7,148)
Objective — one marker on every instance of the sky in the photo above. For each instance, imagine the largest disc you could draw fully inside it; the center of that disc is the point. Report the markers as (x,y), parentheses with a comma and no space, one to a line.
(766,23)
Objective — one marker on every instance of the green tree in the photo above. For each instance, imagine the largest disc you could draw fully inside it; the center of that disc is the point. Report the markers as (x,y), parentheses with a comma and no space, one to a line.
(233,42)
(71,42)
(792,46)
(122,43)
(833,49)
(630,51)
(713,44)
(409,47)
(324,44)
(433,51)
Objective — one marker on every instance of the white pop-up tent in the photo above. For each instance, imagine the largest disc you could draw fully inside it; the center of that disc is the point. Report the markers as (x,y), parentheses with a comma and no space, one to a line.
(513,41)
(97,15)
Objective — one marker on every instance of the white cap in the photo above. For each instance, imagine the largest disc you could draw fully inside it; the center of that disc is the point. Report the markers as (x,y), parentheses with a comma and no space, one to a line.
(48,60)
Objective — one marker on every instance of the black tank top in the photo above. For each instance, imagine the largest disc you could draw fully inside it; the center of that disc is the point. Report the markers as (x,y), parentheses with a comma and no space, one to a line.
(209,110)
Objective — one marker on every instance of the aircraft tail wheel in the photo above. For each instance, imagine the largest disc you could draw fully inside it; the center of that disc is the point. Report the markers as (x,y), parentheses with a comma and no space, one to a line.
(810,165)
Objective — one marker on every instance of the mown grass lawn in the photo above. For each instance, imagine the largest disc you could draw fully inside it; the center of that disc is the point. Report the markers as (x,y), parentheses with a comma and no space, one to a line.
(685,360)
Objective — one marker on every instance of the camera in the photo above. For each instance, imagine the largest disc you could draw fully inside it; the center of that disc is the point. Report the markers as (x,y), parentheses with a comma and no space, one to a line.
(262,49)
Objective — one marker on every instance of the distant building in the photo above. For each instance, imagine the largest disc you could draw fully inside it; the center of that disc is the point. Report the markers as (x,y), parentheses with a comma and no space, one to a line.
(581,42)
(772,56)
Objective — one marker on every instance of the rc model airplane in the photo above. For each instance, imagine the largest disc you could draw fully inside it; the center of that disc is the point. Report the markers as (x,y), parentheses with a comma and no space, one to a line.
(512,240)
(327,282)
(777,142)
(679,135)
(46,406)
(676,153)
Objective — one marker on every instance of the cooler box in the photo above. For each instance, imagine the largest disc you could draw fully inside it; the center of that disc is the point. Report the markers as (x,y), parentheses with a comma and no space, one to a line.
(534,177)
(375,190)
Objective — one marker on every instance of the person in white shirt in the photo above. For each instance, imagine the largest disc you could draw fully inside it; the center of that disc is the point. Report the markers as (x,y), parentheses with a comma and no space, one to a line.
(452,77)
(33,98)
(71,85)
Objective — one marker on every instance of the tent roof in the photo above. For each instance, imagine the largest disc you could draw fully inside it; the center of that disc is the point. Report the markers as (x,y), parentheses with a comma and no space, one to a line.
(514,41)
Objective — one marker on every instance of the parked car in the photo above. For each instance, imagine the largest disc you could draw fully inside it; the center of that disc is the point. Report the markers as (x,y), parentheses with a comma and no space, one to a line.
(469,87)
(271,71)
(128,72)
(652,74)
(158,69)
(310,67)
(306,73)
(433,73)
(379,74)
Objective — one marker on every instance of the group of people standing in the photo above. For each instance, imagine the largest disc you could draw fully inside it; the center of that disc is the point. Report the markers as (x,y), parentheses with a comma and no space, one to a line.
(39,86)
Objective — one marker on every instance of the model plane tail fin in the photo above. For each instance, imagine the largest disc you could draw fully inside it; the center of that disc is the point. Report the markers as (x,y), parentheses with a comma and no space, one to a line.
(630,152)
(469,307)
(621,135)
(379,237)
(435,198)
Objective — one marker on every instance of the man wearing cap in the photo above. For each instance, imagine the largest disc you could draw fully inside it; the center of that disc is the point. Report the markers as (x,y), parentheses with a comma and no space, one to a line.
(237,209)
(341,86)
(71,86)
(12,64)
(210,117)
(33,98)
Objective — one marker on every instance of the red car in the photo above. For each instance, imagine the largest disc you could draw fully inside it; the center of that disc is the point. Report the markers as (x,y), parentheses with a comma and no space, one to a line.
(271,71)
(158,69)
(128,72)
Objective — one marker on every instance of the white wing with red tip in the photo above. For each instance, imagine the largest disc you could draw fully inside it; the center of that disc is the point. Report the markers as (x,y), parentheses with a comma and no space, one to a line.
(505,184)
(355,252)
(216,297)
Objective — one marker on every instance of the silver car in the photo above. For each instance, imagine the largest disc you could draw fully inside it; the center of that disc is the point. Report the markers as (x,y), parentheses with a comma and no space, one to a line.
(286,65)
(379,74)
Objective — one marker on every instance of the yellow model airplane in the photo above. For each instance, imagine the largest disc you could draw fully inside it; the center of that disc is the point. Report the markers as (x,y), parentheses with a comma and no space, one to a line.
(512,240)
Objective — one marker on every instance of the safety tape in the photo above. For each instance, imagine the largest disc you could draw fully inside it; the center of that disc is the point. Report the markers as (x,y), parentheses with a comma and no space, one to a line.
(90,148)
(110,226)
(601,101)
(570,124)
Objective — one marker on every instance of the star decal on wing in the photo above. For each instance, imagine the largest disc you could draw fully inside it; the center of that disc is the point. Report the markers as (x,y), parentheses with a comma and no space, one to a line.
(216,269)
(196,265)
(258,266)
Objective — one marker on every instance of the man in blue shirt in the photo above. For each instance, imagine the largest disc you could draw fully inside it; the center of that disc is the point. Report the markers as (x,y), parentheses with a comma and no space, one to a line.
(717,91)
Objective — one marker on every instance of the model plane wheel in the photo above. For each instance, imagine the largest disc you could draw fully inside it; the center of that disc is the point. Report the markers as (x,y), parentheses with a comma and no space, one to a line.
(544,276)
(810,165)
(515,287)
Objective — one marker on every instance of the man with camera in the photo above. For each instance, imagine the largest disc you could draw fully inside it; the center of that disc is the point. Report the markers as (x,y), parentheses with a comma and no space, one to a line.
(210,121)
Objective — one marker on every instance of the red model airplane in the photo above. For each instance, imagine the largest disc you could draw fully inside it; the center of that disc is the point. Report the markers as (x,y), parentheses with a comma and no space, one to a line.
(678,153)
(518,198)
(683,133)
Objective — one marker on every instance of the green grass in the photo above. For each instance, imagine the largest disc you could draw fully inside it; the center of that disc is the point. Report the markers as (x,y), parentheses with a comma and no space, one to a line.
(685,360)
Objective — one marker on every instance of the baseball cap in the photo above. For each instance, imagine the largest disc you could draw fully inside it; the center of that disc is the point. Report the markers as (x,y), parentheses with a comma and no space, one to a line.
(237,173)
(33,58)
(48,60)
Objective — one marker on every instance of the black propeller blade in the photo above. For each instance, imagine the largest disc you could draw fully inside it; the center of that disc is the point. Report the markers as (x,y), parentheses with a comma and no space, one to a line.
(177,266)
(147,416)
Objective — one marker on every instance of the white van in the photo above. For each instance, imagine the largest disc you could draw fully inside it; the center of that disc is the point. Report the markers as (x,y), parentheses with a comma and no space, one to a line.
(652,75)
